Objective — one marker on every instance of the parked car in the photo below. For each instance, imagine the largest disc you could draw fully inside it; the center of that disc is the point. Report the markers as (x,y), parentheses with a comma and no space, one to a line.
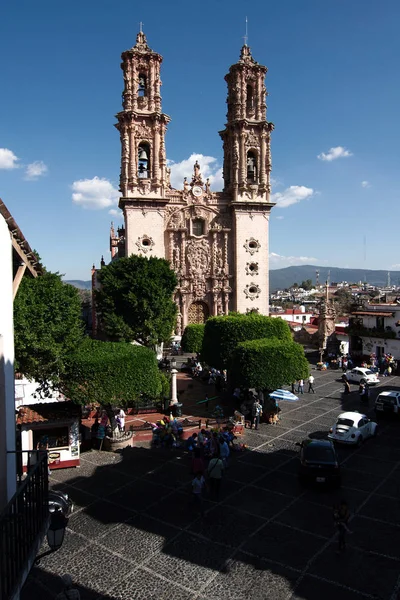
(59,500)
(352,428)
(362,375)
(319,462)
(388,403)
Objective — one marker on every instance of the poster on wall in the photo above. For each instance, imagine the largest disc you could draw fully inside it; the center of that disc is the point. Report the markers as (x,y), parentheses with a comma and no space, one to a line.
(74,451)
(74,437)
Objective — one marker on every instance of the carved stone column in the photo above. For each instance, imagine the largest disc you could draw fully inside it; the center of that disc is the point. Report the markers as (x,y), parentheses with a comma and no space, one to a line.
(156,153)
(132,153)
(214,252)
(150,87)
(226,264)
(262,160)
(226,302)
(215,302)
(243,165)
(171,248)
(124,161)
(134,86)
(183,252)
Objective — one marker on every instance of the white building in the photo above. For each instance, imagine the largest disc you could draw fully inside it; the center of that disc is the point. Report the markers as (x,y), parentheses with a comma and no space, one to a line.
(294,315)
(376,329)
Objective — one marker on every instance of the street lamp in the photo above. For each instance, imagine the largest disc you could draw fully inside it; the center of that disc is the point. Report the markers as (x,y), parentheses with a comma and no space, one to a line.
(55,533)
(173,363)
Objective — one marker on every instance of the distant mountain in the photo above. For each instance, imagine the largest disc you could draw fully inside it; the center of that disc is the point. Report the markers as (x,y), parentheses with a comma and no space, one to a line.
(78,283)
(280,279)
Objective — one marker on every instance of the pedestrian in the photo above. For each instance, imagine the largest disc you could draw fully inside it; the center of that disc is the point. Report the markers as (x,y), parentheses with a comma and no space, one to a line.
(341,517)
(311,384)
(121,416)
(361,391)
(366,393)
(300,386)
(224,450)
(256,412)
(69,592)
(293,387)
(215,470)
(197,462)
(198,485)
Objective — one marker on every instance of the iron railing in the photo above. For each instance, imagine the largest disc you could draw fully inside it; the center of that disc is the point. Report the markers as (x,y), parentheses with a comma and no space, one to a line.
(23,524)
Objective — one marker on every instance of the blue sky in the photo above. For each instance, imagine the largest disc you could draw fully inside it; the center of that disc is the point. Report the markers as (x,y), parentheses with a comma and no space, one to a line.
(334,90)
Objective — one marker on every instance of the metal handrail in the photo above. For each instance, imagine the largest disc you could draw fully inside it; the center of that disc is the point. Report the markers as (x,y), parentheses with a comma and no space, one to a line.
(23,523)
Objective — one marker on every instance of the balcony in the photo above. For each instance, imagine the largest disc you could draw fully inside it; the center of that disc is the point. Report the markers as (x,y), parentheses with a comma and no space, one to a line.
(23,525)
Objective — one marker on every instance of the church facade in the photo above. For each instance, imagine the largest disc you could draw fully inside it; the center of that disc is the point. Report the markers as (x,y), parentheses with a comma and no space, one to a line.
(217,242)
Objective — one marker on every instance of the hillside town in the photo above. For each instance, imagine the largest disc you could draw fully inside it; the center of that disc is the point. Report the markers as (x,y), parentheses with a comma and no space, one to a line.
(180,430)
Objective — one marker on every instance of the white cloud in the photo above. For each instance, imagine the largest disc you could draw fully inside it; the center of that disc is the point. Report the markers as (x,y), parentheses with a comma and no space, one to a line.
(279,217)
(94,193)
(395,267)
(277,261)
(8,160)
(365,184)
(114,212)
(209,168)
(292,195)
(35,170)
(334,153)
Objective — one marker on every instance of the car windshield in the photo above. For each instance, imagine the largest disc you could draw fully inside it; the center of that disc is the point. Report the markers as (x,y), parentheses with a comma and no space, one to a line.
(347,422)
(319,453)
(368,372)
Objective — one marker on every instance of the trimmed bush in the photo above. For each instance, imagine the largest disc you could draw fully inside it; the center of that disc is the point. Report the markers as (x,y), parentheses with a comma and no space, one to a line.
(223,334)
(268,364)
(192,339)
(112,373)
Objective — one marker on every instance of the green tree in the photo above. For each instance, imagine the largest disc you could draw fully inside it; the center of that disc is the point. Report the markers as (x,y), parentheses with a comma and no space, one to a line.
(135,300)
(192,339)
(47,327)
(222,335)
(268,364)
(307,284)
(112,373)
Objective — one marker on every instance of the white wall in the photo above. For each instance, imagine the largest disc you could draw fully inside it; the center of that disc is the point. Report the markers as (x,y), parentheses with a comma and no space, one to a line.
(7,403)
(149,222)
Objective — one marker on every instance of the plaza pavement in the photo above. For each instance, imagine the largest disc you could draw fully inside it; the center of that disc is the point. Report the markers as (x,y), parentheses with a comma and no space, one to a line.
(133,535)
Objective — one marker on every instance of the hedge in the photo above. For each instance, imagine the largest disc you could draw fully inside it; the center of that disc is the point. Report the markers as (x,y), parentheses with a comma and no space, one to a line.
(268,364)
(192,339)
(112,373)
(223,334)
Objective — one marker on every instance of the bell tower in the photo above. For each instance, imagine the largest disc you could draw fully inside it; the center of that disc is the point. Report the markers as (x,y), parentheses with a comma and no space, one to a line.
(246,172)
(142,127)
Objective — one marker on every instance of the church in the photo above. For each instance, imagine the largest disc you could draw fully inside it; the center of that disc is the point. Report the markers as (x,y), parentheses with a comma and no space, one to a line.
(217,242)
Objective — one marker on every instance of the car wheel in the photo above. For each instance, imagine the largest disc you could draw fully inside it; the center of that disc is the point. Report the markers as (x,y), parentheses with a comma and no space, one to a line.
(359,441)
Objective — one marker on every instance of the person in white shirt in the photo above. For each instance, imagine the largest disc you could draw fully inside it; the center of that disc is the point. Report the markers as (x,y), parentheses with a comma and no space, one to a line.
(121,416)
(311,384)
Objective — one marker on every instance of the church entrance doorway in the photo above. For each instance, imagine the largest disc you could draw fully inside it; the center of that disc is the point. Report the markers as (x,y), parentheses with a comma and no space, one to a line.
(198,313)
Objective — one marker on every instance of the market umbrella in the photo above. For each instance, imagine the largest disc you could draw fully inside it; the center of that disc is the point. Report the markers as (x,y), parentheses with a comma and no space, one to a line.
(284,395)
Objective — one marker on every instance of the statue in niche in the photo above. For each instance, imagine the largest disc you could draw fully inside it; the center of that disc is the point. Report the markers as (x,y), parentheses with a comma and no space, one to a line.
(220,308)
(168,177)
(219,261)
(185,185)
(208,185)
(127,78)
(125,146)
(196,169)
(179,324)
(177,257)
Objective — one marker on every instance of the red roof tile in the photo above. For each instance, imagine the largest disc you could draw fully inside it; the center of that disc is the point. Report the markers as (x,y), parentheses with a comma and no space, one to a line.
(47,412)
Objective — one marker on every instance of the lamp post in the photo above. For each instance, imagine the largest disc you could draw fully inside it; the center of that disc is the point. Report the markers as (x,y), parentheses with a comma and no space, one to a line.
(174,393)
(55,533)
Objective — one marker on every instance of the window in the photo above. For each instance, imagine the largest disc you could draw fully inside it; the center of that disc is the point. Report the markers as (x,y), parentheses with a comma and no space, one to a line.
(142,89)
(380,322)
(144,161)
(56,437)
(253,289)
(253,267)
(198,227)
(251,166)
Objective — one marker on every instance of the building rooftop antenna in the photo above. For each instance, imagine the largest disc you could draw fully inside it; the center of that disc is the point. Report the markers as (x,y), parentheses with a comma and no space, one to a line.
(246,37)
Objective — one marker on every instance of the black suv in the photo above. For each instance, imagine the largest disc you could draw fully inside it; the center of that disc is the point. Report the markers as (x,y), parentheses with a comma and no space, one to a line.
(319,462)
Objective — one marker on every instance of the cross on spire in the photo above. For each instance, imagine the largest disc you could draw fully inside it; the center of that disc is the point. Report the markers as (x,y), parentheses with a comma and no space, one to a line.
(141,27)
(246,37)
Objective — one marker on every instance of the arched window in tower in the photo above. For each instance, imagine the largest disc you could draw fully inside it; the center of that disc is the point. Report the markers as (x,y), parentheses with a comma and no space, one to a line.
(142,90)
(144,161)
(249,98)
(251,166)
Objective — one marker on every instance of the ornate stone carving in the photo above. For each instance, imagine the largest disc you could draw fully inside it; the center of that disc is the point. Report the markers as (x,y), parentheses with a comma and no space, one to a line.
(178,324)
(252,139)
(145,243)
(144,187)
(252,245)
(198,256)
(252,268)
(252,291)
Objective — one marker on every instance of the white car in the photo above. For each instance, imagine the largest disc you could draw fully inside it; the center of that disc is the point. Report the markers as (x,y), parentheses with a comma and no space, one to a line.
(352,428)
(362,375)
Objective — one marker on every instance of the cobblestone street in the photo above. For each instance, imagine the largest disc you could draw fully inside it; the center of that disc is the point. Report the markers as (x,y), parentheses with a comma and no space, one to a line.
(134,535)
